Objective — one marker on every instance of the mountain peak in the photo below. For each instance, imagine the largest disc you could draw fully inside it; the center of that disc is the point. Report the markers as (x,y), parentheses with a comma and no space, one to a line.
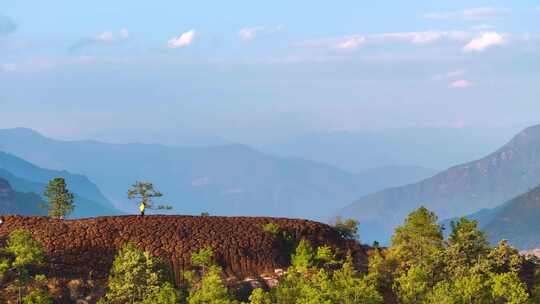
(22,132)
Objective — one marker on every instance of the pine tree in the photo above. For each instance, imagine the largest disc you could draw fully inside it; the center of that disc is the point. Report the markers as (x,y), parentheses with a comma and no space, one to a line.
(59,199)
(145,192)
(419,242)
(27,253)
(135,277)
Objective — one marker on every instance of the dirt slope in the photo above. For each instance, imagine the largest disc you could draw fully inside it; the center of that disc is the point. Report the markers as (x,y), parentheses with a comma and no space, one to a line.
(82,248)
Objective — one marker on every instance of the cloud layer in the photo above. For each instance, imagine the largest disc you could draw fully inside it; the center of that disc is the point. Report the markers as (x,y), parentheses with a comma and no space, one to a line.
(483,42)
(103,38)
(460,84)
(250,33)
(354,42)
(184,40)
(479,13)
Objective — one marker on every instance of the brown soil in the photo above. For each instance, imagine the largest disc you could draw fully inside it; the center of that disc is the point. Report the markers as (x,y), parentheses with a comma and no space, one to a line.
(85,248)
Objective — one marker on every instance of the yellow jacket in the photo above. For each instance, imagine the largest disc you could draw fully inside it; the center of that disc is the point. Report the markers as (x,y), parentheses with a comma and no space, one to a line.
(142,207)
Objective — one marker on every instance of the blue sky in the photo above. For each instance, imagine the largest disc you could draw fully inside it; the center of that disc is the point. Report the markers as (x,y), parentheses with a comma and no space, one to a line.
(171,70)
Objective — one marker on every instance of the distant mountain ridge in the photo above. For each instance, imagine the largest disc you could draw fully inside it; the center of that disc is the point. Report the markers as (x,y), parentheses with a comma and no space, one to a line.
(358,151)
(13,202)
(223,180)
(517,221)
(458,191)
(26,177)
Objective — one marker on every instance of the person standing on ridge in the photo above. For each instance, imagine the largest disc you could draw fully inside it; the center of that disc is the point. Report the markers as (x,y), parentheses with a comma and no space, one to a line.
(145,192)
(142,206)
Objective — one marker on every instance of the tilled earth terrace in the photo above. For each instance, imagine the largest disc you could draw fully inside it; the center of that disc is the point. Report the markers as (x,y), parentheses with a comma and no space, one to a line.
(86,247)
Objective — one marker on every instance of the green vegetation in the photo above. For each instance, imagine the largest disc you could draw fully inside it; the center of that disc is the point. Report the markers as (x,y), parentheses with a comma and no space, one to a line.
(20,262)
(347,229)
(420,267)
(145,192)
(285,241)
(136,277)
(59,199)
(271,228)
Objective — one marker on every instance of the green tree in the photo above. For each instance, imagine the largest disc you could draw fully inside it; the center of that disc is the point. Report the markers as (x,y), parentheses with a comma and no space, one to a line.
(419,242)
(37,296)
(348,287)
(508,289)
(145,193)
(164,294)
(412,286)
(467,248)
(203,259)
(59,199)
(135,277)
(473,288)
(317,278)
(381,268)
(259,296)
(271,228)
(442,293)
(27,253)
(505,258)
(209,288)
(303,258)
(347,229)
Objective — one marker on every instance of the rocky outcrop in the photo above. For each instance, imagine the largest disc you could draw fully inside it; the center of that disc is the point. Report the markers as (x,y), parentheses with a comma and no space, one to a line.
(86,248)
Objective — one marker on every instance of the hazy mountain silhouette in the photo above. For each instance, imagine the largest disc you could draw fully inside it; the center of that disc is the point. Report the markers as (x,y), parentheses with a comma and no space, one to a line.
(26,177)
(517,221)
(437,148)
(227,180)
(14,202)
(458,191)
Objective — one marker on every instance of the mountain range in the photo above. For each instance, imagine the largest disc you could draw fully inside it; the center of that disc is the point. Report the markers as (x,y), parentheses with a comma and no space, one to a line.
(517,221)
(222,180)
(464,189)
(436,148)
(25,177)
(14,202)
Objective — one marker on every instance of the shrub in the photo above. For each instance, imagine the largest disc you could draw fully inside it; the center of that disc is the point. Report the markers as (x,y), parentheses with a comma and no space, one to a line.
(347,229)
(209,287)
(135,277)
(271,228)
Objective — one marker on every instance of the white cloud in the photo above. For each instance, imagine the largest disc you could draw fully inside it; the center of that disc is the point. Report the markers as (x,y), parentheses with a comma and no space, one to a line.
(479,13)
(184,40)
(103,38)
(106,37)
(482,27)
(460,84)
(124,33)
(110,36)
(451,74)
(425,37)
(250,33)
(483,42)
(351,43)
(8,67)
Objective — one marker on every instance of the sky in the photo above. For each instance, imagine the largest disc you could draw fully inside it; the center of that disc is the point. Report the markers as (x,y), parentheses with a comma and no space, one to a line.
(179,72)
